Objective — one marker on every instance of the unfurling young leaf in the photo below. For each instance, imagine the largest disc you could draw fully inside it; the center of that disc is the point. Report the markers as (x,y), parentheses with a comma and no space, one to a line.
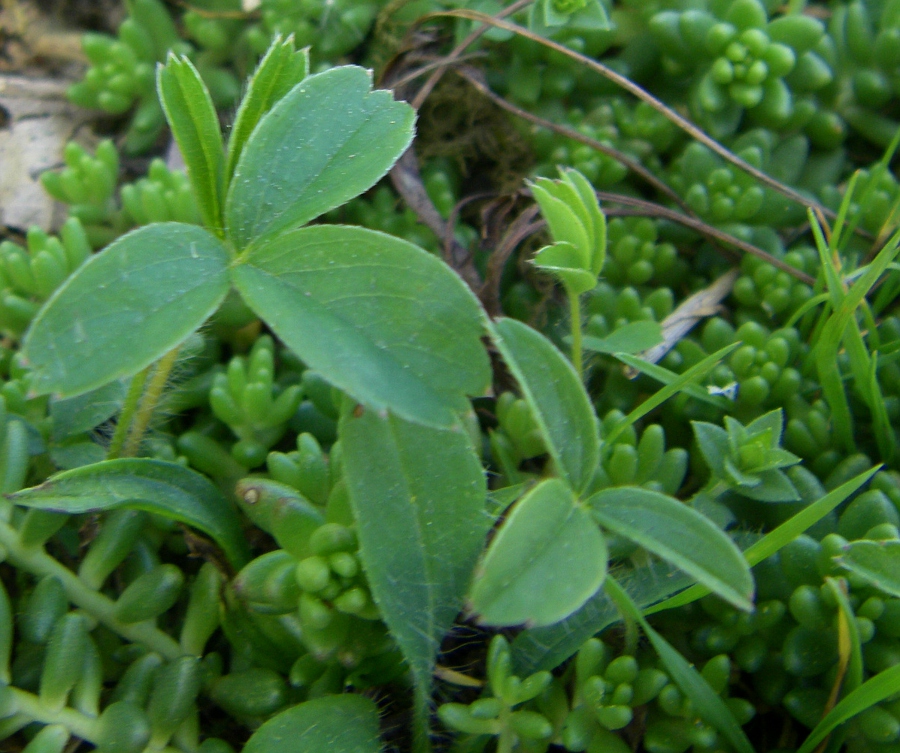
(578,251)
(278,72)
(578,229)
(195,126)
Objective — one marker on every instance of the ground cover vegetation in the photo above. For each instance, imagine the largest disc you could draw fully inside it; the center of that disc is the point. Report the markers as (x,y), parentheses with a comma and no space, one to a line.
(484,378)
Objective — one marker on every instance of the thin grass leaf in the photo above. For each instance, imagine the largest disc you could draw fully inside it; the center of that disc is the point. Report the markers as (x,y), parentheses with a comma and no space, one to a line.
(832,278)
(775,540)
(873,691)
(842,328)
(875,174)
(854,662)
(816,300)
(664,375)
(840,222)
(888,291)
(828,342)
(693,374)
(707,703)
(884,432)
(860,289)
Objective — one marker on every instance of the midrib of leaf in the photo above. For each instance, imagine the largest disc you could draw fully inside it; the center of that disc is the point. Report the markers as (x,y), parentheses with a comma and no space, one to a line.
(209,157)
(448,506)
(421,546)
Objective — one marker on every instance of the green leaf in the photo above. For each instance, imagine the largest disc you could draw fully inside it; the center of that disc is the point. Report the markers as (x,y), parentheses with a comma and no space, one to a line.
(195,126)
(873,691)
(562,409)
(772,422)
(378,317)
(707,703)
(157,486)
(545,562)
(338,723)
(551,16)
(328,140)
(278,72)
(773,486)
(126,307)
(418,495)
(500,500)
(876,562)
(632,337)
(593,17)
(679,534)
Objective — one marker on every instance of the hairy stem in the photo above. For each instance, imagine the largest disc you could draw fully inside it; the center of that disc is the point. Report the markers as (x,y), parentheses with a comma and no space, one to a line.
(149,401)
(132,399)
(575,315)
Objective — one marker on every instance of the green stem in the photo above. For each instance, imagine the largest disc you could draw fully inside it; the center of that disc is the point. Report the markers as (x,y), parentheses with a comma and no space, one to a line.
(135,390)
(37,562)
(507,739)
(149,401)
(77,723)
(575,316)
(80,725)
